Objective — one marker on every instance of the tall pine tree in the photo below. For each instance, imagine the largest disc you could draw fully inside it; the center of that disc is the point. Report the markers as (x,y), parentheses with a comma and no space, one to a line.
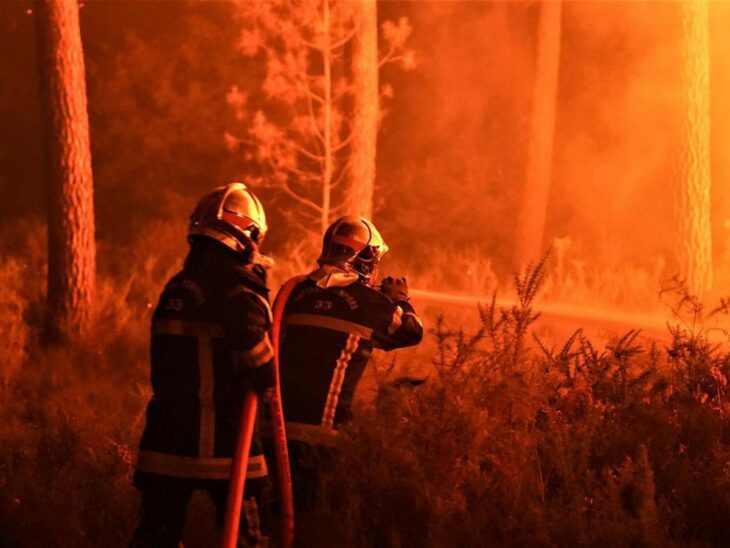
(693,178)
(70,201)
(536,190)
(366,108)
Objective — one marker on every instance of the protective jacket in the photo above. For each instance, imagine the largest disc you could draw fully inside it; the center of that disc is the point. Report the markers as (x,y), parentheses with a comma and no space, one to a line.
(328,334)
(210,342)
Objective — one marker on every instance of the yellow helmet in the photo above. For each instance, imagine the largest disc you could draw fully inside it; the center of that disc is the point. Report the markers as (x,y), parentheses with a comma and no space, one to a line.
(232,215)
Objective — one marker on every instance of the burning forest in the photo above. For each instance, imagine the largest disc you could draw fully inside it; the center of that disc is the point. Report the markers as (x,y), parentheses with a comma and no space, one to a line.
(361,273)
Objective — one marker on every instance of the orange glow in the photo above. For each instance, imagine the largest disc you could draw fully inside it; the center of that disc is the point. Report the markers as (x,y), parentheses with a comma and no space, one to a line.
(481,138)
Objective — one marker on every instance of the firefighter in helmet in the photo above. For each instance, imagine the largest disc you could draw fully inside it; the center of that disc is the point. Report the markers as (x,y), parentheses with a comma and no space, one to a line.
(210,343)
(332,320)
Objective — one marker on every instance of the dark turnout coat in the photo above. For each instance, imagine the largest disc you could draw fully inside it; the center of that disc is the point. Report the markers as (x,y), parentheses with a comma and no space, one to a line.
(210,342)
(328,335)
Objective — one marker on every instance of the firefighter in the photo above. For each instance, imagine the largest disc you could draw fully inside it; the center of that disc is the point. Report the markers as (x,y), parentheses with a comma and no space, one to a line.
(332,320)
(210,343)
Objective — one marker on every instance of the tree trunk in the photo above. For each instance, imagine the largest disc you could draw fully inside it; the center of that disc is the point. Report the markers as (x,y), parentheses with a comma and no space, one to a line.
(366,110)
(694,233)
(533,211)
(327,115)
(70,204)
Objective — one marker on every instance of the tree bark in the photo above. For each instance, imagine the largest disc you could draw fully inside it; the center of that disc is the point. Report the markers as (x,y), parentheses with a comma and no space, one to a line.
(327,115)
(693,181)
(70,202)
(535,193)
(365,110)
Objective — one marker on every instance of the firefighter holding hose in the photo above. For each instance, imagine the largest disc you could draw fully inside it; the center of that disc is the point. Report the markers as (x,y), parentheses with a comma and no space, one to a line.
(326,325)
(210,344)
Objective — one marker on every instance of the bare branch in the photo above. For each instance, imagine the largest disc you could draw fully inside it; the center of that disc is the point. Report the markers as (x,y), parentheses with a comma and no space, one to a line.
(387,57)
(346,141)
(303,174)
(310,45)
(312,95)
(306,153)
(341,176)
(296,197)
(349,36)
(317,132)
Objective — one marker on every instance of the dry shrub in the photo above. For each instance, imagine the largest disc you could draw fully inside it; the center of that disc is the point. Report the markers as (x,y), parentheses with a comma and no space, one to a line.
(569,277)
(511,443)
(461,270)
(12,324)
(71,416)
(572,279)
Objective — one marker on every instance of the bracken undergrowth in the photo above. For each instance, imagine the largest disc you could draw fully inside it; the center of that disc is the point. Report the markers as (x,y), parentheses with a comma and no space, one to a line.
(513,443)
(510,441)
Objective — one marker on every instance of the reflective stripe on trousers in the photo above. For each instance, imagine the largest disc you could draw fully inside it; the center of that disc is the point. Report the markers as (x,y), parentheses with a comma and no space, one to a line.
(167,464)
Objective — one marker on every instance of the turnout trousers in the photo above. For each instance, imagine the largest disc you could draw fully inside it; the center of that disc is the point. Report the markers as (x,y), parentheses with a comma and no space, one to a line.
(164,511)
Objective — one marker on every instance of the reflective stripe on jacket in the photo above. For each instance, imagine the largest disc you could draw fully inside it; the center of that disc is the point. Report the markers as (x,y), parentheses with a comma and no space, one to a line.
(328,335)
(209,342)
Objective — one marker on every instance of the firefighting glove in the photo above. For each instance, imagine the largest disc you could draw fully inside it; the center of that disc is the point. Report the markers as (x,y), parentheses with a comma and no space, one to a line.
(395,288)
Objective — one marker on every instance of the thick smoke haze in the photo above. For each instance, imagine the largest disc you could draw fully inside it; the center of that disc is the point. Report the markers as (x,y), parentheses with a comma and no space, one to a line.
(452,148)
(584,404)
(453,145)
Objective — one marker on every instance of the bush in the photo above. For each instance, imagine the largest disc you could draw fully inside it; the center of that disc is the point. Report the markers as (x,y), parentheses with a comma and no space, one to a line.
(510,443)
(70,416)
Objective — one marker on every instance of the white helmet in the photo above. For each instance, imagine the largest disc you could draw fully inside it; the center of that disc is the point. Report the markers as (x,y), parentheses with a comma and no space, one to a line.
(232,215)
(353,244)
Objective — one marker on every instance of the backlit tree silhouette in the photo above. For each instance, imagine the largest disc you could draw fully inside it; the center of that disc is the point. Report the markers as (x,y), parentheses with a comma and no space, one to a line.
(693,178)
(314,126)
(71,244)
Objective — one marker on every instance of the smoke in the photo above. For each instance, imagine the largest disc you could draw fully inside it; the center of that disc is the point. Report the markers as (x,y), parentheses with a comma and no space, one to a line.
(617,125)
(452,147)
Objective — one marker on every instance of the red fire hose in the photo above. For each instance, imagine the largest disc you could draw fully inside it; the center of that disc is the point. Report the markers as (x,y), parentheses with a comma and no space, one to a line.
(238,471)
(243,445)
(277,418)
